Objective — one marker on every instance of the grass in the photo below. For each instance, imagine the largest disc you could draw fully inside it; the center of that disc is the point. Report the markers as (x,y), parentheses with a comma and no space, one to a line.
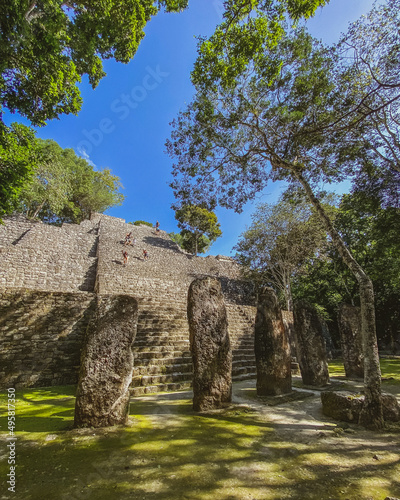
(390,368)
(168,452)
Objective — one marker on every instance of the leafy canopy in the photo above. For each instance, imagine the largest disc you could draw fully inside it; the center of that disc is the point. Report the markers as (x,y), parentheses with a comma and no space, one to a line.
(66,188)
(250,30)
(281,239)
(46,46)
(199,228)
(369,222)
(225,143)
(18,158)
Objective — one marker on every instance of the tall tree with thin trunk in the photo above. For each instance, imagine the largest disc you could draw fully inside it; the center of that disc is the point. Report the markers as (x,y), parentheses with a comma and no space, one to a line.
(231,141)
(281,238)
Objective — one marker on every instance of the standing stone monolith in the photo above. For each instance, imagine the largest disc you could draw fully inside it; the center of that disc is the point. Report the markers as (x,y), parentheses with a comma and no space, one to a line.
(107,363)
(349,322)
(210,345)
(272,347)
(311,352)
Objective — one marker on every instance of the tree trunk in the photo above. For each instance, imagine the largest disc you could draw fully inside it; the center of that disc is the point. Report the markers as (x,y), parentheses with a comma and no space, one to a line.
(371,415)
(39,208)
(288,296)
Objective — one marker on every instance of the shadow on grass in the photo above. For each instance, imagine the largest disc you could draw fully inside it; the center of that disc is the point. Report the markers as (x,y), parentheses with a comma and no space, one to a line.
(168,452)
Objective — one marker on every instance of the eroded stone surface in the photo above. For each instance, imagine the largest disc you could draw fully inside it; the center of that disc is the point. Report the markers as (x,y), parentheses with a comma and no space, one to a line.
(210,345)
(272,348)
(349,322)
(107,363)
(347,406)
(342,405)
(310,344)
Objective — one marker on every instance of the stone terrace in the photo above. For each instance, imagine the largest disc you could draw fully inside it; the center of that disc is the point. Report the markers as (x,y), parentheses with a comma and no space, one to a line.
(160,283)
(88,257)
(43,257)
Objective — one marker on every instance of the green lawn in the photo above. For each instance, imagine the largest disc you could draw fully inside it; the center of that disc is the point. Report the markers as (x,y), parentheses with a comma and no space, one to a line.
(168,452)
(390,368)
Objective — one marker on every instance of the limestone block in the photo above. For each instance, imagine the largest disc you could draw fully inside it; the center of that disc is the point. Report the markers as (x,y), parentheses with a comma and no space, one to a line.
(210,345)
(346,406)
(272,348)
(342,405)
(390,407)
(349,322)
(107,363)
(310,344)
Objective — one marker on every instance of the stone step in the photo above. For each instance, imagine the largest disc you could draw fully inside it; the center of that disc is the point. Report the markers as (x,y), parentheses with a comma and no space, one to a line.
(149,380)
(157,342)
(156,338)
(243,352)
(243,357)
(162,361)
(242,370)
(160,348)
(244,376)
(143,355)
(139,391)
(161,330)
(152,369)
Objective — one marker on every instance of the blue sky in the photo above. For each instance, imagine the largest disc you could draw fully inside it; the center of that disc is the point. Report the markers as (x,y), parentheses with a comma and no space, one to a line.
(124,122)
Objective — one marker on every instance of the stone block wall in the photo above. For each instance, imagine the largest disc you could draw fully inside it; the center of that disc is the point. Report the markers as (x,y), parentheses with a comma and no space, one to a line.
(88,257)
(41,335)
(49,258)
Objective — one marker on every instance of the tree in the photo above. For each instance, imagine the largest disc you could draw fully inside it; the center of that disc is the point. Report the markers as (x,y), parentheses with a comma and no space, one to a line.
(280,240)
(369,223)
(185,240)
(199,228)
(367,98)
(250,30)
(18,158)
(47,46)
(141,223)
(229,144)
(65,188)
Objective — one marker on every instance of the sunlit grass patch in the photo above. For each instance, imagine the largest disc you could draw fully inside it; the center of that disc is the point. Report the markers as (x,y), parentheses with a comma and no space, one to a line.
(390,368)
(169,452)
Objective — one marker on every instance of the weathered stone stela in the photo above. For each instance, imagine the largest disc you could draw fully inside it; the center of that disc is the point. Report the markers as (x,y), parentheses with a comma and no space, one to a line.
(107,363)
(349,321)
(311,352)
(210,345)
(272,348)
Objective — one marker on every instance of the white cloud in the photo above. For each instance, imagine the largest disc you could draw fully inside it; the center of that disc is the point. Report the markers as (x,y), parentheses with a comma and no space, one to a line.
(83,154)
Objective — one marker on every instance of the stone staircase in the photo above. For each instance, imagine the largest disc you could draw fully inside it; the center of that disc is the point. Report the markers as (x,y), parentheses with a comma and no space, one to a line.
(162,351)
(88,257)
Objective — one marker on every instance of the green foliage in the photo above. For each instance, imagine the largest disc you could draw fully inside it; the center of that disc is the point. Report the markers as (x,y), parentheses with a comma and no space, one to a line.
(367,97)
(246,37)
(177,238)
(370,226)
(185,240)
(199,228)
(18,158)
(141,223)
(281,240)
(47,46)
(65,188)
(225,143)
